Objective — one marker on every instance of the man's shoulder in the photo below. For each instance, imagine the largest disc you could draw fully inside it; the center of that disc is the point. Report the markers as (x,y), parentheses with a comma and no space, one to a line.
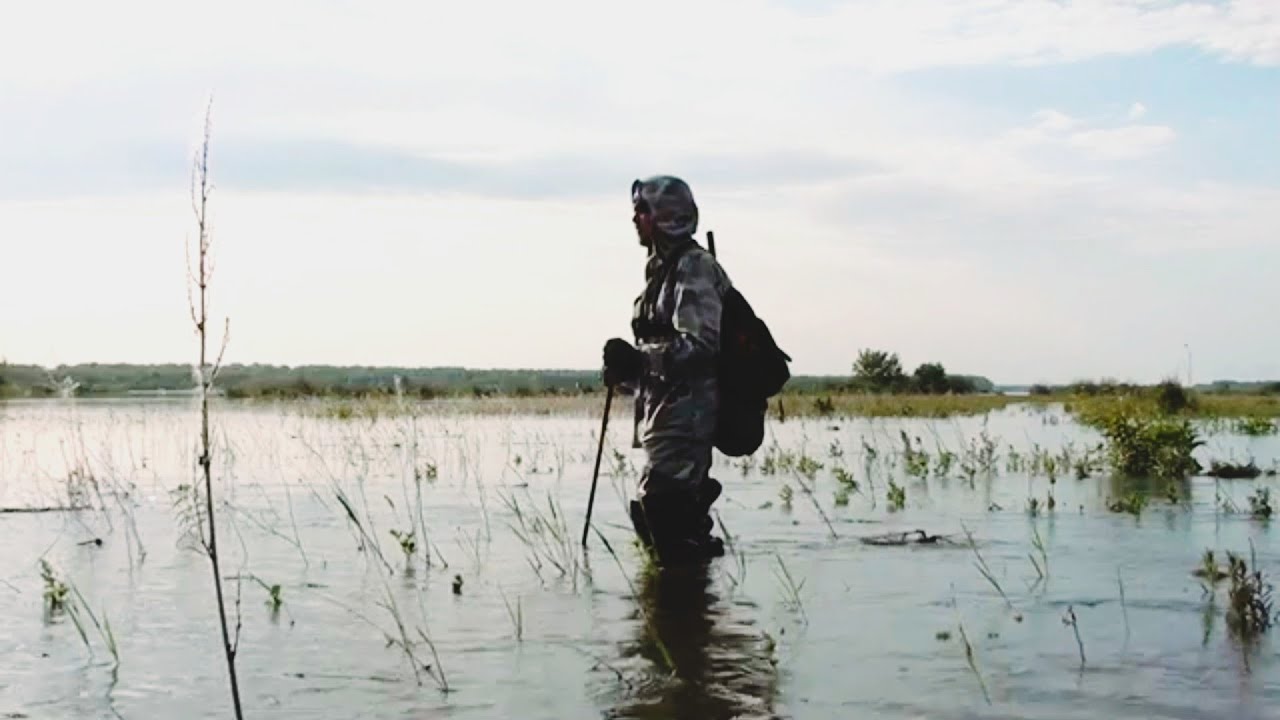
(698,262)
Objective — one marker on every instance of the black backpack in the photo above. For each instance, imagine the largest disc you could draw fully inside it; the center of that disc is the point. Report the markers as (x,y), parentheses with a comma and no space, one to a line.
(752,369)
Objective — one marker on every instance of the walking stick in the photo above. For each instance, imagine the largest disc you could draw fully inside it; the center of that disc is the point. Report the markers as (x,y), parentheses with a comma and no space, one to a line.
(604,425)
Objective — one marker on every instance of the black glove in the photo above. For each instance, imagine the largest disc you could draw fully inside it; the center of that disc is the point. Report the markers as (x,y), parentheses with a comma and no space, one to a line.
(622,362)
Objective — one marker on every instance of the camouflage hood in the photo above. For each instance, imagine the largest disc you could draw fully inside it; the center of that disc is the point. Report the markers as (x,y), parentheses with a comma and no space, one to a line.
(671,200)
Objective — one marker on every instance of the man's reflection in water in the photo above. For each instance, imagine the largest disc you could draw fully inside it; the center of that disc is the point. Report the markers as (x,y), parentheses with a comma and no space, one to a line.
(724,668)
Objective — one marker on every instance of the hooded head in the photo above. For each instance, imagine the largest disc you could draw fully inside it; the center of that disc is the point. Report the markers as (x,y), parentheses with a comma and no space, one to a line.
(665,213)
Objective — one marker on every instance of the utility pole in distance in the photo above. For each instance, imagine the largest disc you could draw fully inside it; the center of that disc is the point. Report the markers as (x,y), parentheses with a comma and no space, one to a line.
(1187,347)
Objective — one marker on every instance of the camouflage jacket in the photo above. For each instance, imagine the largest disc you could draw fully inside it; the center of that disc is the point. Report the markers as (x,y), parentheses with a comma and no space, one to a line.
(676,322)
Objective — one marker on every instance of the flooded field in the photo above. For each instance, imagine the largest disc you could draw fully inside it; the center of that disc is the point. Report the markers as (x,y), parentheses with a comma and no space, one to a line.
(430,565)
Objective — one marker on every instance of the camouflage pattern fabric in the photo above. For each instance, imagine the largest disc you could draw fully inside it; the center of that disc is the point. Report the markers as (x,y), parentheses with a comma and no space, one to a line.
(677,390)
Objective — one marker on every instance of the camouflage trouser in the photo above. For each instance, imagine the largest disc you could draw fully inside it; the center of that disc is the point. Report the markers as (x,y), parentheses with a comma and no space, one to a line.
(677,433)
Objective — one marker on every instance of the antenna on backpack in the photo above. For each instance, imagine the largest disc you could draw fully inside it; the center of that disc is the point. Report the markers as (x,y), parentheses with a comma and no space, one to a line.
(711,243)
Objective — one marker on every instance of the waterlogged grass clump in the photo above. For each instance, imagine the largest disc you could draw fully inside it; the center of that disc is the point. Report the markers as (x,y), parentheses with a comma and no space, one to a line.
(1255,426)
(897,497)
(1250,612)
(1260,504)
(1132,502)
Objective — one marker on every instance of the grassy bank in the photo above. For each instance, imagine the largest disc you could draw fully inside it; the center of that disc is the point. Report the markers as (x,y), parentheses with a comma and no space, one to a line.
(1198,405)
(1253,412)
(788,405)
(366,391)
(848,404)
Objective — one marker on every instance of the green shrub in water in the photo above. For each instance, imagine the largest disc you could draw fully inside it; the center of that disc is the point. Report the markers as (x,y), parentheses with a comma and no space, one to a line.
(1141,446)
(1171,398)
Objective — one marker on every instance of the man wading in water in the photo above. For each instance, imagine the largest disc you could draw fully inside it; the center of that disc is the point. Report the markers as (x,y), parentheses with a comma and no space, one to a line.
(672,369)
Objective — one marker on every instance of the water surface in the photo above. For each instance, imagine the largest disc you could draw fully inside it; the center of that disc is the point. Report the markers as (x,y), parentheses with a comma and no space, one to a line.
(874,631)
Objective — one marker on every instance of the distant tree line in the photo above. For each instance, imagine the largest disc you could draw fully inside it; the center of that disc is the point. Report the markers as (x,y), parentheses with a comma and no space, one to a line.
(1103,388)
(278,381)
(880,371)
(281,382)
(874,371)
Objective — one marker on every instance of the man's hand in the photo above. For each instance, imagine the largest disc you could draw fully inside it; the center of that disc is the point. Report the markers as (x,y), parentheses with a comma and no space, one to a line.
(622,362)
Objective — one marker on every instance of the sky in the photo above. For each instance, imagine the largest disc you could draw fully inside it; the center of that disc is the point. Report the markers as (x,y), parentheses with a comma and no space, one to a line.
(1031,190)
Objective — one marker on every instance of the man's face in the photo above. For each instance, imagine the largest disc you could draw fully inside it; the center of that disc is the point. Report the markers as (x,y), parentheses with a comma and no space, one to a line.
(643,220)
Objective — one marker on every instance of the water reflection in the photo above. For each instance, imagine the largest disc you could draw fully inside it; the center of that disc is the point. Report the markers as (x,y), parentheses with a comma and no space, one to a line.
(723,666)
(1132,494)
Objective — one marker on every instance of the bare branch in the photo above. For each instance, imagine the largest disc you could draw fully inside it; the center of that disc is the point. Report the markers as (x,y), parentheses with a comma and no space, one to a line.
(235,644)
(217,364)
(191,278)
(195,169)
(201,171)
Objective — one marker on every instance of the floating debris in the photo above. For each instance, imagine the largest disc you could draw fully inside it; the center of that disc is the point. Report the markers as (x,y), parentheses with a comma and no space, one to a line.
(911,537)
(1233,471)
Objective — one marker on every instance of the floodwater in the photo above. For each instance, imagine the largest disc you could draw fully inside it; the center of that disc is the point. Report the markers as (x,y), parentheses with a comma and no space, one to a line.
(803,620)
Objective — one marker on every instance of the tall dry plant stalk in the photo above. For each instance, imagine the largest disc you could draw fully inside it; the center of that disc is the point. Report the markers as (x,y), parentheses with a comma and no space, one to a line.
(206,374)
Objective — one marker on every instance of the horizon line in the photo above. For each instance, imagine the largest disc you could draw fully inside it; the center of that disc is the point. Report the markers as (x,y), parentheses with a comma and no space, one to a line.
(583,370)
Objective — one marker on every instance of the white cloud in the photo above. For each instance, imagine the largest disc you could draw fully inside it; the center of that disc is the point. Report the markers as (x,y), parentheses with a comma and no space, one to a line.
(1051,128)
(1247,32)
(504,80)
(1054,121)
(893,35)
(1124,142)
(421,45)
(1137,110)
